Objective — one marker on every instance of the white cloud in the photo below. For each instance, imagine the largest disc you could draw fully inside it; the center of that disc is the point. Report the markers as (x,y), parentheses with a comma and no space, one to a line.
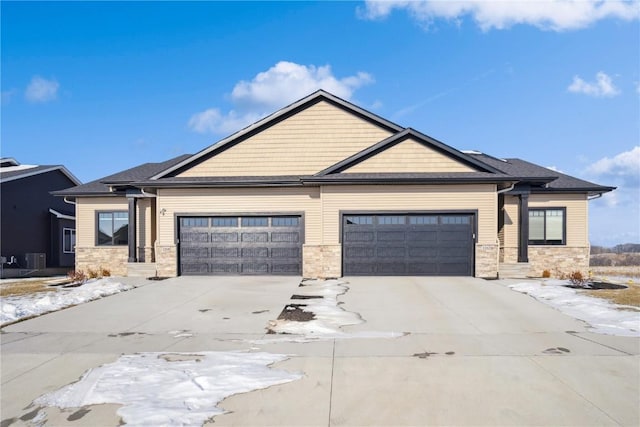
(602,87)
(270,90)
(614,217)
(41,90)
(625,165)
(556,15)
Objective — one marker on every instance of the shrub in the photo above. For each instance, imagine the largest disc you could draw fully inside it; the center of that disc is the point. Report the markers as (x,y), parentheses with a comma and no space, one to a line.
(93,274)
(77,276)
(546,274)
(105,272)
(577,278)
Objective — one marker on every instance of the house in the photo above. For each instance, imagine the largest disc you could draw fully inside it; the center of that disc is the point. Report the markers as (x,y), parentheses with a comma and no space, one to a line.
(324,188)
(37,229)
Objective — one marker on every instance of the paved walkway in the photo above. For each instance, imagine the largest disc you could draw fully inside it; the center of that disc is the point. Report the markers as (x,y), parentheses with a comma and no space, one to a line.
(476,353)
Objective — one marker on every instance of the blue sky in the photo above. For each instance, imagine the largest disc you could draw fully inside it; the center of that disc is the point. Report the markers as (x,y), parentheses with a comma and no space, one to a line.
(101,87)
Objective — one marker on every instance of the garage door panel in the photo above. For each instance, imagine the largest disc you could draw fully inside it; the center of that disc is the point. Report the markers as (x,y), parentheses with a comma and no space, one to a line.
(423,252)
(224,268)
(390,244)
(287,237)
(360,268)
(351,236)
(255,268)
(284,268)
(391,236)
(195,252)
(222,237)
(285,253)
(196,268)
(360,252)
(224,252)
(200,237)
(255,237)
(241,245)
(391,269)
(423,236)
(391,252)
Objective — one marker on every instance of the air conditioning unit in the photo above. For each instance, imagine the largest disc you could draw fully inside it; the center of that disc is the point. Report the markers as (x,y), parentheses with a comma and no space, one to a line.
(36,261)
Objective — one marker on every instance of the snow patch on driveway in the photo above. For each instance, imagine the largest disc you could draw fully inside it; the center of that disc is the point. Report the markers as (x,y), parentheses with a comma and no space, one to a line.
(602,316)
(320,298)
(21,306)
(171,388)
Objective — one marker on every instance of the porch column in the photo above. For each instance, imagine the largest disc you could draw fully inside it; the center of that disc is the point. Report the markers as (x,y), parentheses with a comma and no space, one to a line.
(132,229)
(523,225)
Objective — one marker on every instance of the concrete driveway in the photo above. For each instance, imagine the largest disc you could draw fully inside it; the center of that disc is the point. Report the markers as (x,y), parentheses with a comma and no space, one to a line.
(476,353)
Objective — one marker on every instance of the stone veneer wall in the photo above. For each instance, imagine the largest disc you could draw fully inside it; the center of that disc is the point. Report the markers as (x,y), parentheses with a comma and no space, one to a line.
(167,261)
(321,261)
(509,254)
(113,258)
(487,261)
(558,259)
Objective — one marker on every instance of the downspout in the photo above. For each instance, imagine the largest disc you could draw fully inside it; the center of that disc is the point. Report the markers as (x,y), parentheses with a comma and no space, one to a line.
(67,201)
(504,190)
(145,194)
(597,196)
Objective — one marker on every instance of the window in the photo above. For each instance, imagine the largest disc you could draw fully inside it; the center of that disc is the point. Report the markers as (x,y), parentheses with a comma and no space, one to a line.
(359,220)
(194,222)
(68,240)
(546,226)
(113,228)
(224,222)
(285,221)
(423,220)
(391,220)
(454,219)
(255,221)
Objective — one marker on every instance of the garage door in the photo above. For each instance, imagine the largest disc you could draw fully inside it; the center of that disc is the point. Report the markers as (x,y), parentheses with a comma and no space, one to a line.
(240,245)
(414,245)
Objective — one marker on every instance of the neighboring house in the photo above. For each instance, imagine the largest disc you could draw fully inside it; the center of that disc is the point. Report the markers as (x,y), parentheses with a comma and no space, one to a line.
(323,188)
(37,229)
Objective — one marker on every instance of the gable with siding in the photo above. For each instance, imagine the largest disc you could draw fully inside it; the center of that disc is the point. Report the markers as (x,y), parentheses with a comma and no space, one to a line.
(302,144)
(409,156)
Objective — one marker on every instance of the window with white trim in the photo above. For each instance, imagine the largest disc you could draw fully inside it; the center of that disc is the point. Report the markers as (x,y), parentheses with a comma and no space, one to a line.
(547,226)
(68,240)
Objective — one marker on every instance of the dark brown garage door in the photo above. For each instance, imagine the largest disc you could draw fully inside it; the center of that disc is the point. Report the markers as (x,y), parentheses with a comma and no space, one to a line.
(413,245)
(240,245)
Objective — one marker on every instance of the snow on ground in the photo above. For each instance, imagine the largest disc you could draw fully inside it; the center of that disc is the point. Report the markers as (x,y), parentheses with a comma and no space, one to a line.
(170,388)
(329,317)
(20,306)
(601,315)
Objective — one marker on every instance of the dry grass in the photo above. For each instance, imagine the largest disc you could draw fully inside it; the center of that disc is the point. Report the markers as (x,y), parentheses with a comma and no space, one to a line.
(629,296)
(620,271)
(25,287)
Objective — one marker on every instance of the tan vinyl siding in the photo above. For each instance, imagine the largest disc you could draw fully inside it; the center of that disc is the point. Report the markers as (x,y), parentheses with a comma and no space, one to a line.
(577,220)
(214,201)
(86,208)
(511,228)
(409,156)
(303,144)
(145,223)
(482,198)
(577,214)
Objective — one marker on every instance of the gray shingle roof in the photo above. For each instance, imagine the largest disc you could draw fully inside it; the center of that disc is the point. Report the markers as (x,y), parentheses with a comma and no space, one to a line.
(138,173)
(554,180)
(19,172)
